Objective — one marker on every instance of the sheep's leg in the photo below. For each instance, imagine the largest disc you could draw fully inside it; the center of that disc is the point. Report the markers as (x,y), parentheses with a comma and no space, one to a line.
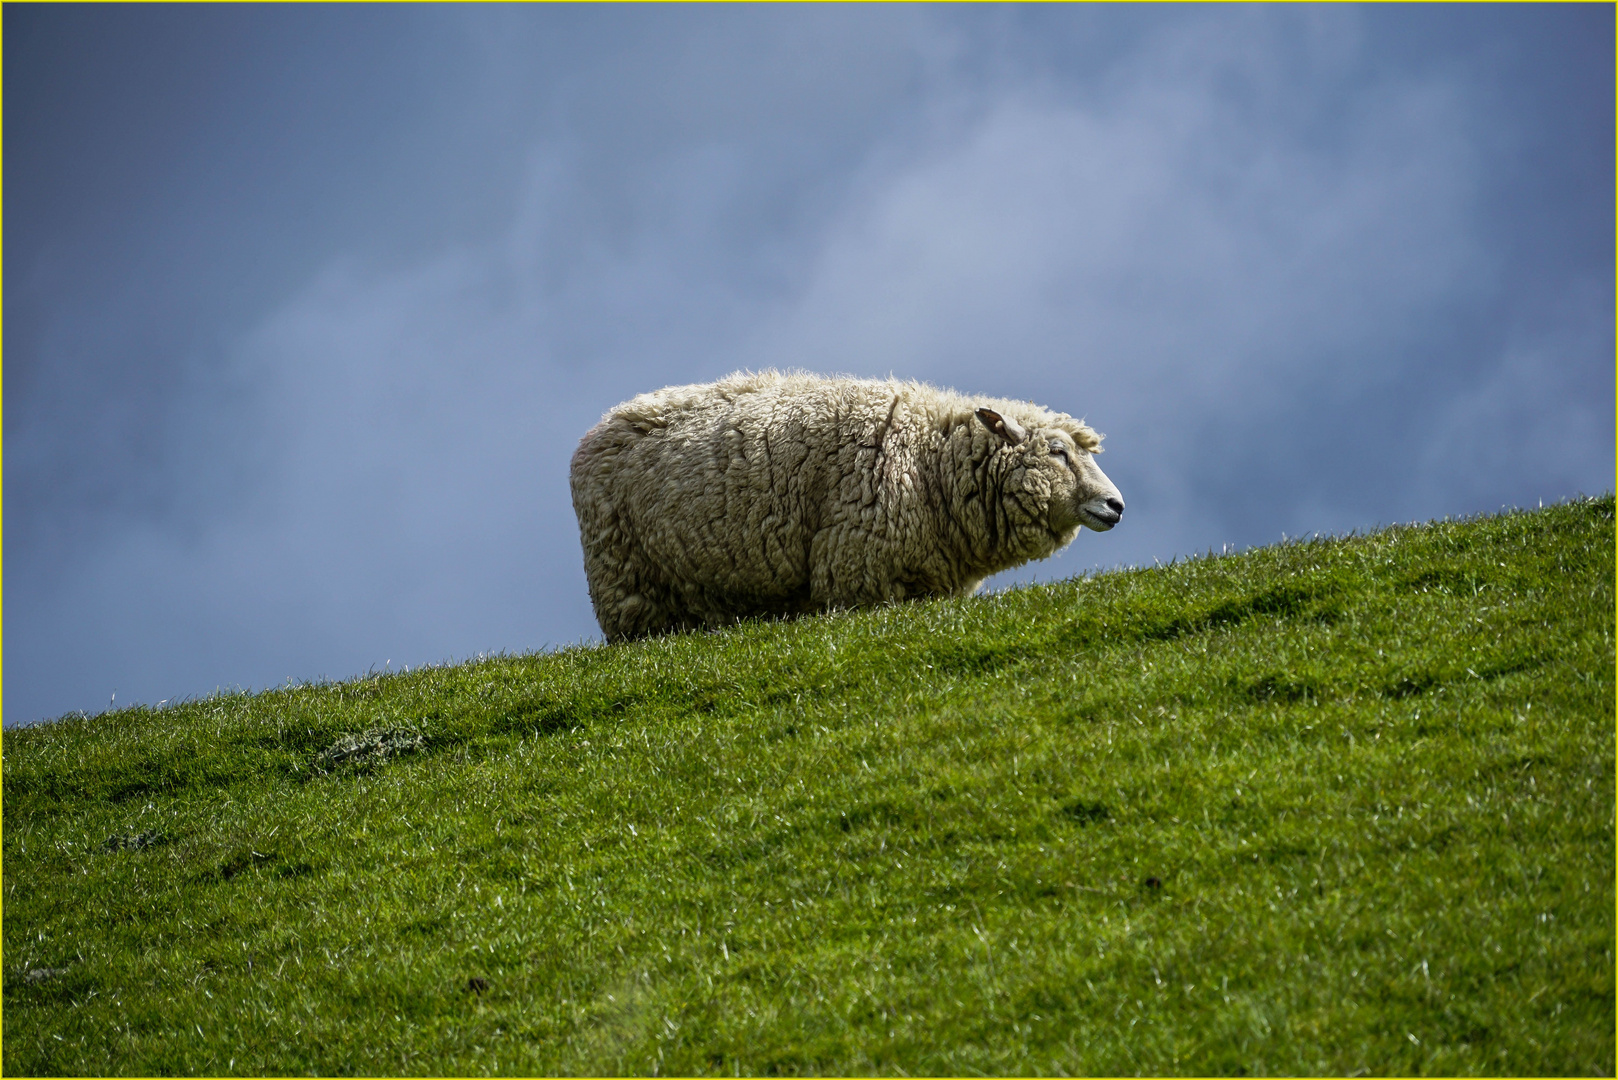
(628,599)
(848,568)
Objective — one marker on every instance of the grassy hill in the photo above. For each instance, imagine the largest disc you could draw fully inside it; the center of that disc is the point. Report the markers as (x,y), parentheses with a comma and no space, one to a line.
(1338,806)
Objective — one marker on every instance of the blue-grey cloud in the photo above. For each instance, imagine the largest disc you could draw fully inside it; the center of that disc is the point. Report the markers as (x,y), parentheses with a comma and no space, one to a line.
(297,400)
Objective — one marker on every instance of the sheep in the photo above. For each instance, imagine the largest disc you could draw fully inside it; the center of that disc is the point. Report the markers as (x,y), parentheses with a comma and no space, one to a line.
(777,494)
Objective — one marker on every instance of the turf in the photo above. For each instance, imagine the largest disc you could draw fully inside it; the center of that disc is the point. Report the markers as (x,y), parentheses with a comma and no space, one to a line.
(1341,806)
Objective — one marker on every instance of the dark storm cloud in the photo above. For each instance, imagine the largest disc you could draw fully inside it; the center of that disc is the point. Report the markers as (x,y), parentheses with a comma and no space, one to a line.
(307,307)
(175,171)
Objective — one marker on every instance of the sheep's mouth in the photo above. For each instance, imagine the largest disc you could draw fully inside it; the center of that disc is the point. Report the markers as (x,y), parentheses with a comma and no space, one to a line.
(1099,519)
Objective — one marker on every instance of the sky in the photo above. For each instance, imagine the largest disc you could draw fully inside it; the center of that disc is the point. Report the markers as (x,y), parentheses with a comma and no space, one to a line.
(306,306)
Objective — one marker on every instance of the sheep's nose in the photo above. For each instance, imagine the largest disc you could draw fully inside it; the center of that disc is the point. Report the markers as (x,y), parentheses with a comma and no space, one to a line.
(1116,505)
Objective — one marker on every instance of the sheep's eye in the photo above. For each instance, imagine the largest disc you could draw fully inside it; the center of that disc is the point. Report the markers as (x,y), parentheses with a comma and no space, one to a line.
(1058,450)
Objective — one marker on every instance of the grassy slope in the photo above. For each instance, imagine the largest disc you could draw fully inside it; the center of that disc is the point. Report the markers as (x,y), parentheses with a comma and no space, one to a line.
(1319,808)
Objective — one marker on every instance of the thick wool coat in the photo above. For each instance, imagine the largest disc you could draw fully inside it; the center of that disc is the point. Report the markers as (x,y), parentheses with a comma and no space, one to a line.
(774,494)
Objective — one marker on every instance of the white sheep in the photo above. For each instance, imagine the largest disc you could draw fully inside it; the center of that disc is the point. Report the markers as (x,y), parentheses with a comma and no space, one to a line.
(778,494)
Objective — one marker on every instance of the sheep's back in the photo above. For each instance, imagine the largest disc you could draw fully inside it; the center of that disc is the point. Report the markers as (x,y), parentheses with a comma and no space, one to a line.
(721,488)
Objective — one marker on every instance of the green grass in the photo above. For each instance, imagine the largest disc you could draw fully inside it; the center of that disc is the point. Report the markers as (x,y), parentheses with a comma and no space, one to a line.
(1335,806)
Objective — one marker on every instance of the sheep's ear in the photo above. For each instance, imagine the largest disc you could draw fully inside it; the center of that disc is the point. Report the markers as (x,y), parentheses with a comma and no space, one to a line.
(1003,425)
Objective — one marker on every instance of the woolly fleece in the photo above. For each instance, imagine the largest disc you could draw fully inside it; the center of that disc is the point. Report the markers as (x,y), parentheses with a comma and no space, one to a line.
(776,494)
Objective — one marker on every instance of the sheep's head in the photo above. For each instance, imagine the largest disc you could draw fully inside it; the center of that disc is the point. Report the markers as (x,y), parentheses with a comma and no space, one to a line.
(1057,463)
